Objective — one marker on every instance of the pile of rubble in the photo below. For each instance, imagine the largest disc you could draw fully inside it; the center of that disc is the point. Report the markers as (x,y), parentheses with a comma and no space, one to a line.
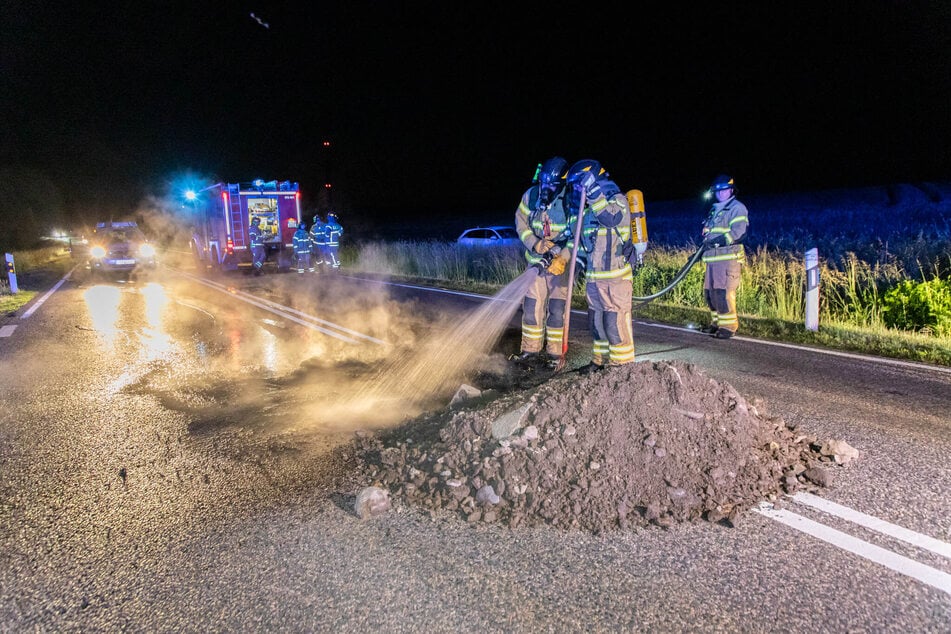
(627,446)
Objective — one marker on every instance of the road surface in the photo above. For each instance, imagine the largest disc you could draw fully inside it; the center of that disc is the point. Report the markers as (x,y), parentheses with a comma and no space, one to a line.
(162,471)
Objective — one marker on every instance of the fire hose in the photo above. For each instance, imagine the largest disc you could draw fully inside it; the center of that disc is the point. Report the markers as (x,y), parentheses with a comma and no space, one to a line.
(646,299)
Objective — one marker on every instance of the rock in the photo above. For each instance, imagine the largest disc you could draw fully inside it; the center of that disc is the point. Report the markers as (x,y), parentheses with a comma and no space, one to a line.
(463,394)
(505,425)
(818,475)
(371,501)
(487,495)
(842,452)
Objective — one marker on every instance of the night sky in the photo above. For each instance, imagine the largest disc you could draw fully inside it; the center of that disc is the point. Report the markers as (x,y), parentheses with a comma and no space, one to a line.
(447,107)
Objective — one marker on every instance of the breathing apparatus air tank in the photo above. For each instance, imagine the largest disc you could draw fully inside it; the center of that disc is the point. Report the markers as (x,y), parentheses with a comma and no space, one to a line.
(635,199)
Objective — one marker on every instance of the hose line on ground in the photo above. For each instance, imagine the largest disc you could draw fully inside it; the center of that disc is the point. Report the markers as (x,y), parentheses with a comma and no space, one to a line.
(642,301)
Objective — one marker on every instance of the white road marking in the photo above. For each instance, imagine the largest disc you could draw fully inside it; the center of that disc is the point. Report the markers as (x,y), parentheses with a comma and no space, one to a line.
(46,295)
(6,331)
(289,313)
(836,353)
(878,525)
(899,563)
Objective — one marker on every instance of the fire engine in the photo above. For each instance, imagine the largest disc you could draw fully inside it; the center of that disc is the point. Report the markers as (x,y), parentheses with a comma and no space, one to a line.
(223,214)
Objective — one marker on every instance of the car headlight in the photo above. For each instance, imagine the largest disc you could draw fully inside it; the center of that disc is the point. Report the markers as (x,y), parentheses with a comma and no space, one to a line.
(147,250)
(97,252)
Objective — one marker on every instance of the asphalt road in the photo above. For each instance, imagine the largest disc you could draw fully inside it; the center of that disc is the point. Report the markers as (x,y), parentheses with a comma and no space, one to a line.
(159,471)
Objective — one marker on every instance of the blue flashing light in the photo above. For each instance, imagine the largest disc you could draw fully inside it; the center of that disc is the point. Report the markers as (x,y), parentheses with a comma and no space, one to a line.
(191,195)
(258,182)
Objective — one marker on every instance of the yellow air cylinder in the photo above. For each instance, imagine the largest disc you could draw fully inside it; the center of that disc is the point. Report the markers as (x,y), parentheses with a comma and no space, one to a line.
(635,199)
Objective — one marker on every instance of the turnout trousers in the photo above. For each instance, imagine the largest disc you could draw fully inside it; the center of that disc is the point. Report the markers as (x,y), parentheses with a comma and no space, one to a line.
(609,313)
(720,281)
(543,314)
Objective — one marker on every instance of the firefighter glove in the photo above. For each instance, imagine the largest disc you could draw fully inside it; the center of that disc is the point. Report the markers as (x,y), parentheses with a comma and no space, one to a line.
(543,246)
(558,264)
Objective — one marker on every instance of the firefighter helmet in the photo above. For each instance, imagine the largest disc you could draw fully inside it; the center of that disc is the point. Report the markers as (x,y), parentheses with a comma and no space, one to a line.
(722,182)
(256,220)
(302,225)
(553,173)
(585,165)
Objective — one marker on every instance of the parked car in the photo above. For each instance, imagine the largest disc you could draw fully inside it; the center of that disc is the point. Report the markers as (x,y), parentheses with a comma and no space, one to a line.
(119,246)
(495,236)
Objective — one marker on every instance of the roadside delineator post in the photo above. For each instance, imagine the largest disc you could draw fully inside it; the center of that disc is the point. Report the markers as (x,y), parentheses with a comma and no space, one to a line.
(812,289)
(11,274)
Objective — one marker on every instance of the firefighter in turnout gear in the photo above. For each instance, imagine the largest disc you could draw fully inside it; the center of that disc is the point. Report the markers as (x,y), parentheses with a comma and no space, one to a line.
(606,245)
(334,231)
(723,255)
(258,254)
(545,227)
(318,239)
(302,249)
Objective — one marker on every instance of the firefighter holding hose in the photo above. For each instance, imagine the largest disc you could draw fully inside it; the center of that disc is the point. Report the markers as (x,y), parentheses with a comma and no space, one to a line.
(606,245)
(723,255)
(544,226)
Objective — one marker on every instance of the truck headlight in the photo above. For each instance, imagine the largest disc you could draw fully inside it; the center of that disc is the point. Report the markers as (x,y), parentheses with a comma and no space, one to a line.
(147,250)
(97,252)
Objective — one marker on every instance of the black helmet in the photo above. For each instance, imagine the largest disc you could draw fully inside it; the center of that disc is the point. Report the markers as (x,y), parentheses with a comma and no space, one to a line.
(585,165)
(551,178)
(722,182)
(302,225)
(256,220)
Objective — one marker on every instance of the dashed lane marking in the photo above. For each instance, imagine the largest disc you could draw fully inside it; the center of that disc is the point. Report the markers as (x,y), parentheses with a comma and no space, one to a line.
(893,561)
(291,314)
(6,331)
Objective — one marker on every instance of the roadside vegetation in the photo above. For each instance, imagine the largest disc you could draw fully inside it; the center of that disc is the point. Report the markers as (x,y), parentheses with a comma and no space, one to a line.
(885,271)
(29,263)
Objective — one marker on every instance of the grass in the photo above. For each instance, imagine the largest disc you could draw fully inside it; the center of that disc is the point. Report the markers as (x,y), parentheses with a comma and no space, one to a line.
(33,268)
(770,301)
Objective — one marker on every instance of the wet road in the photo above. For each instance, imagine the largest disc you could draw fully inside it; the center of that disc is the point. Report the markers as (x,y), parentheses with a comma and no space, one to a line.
(165,467)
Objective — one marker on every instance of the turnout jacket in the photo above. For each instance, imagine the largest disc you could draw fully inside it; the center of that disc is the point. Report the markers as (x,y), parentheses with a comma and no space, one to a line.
(530,223)
(728,219)
(605,230)
(301,241)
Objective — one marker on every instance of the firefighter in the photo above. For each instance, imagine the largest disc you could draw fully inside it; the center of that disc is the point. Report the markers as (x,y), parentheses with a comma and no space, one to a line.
(302,248)
(545,228)
(258,254)
(318,238)
(333,231)
(605,241)
(723,255)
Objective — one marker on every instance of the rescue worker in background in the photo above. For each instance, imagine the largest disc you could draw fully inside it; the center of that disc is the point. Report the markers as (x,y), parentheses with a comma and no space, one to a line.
(606,243)
(258,254)
(302,248)
(318,238)
(723,255)
(545,228)
(334,232)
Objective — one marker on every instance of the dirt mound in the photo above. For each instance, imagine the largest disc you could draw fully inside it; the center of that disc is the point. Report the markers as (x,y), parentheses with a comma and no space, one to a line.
(630,445)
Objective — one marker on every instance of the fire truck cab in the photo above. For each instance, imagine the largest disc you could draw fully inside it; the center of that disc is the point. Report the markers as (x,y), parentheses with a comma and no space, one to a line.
(223,214)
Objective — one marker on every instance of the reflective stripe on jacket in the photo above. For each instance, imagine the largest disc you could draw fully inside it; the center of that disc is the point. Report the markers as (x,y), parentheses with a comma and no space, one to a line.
(730,220)
(607,228)
(530,223)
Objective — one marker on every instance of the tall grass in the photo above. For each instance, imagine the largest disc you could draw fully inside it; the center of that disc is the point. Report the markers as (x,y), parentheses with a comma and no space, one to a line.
(437,260)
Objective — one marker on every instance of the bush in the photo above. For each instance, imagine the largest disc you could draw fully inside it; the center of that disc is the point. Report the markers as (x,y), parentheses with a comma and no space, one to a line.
(919,306)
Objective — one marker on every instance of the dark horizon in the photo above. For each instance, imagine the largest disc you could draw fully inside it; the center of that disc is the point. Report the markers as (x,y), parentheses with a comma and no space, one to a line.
(439,108)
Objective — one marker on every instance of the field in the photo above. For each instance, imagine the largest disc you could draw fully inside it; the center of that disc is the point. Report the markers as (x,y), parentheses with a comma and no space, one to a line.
(885,266)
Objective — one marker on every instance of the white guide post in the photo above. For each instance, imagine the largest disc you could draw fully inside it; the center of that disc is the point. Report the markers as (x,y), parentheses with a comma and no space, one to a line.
(812,289)
(11,274)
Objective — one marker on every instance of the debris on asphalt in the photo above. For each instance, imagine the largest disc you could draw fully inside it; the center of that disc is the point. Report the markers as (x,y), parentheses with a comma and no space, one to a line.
(644,443)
